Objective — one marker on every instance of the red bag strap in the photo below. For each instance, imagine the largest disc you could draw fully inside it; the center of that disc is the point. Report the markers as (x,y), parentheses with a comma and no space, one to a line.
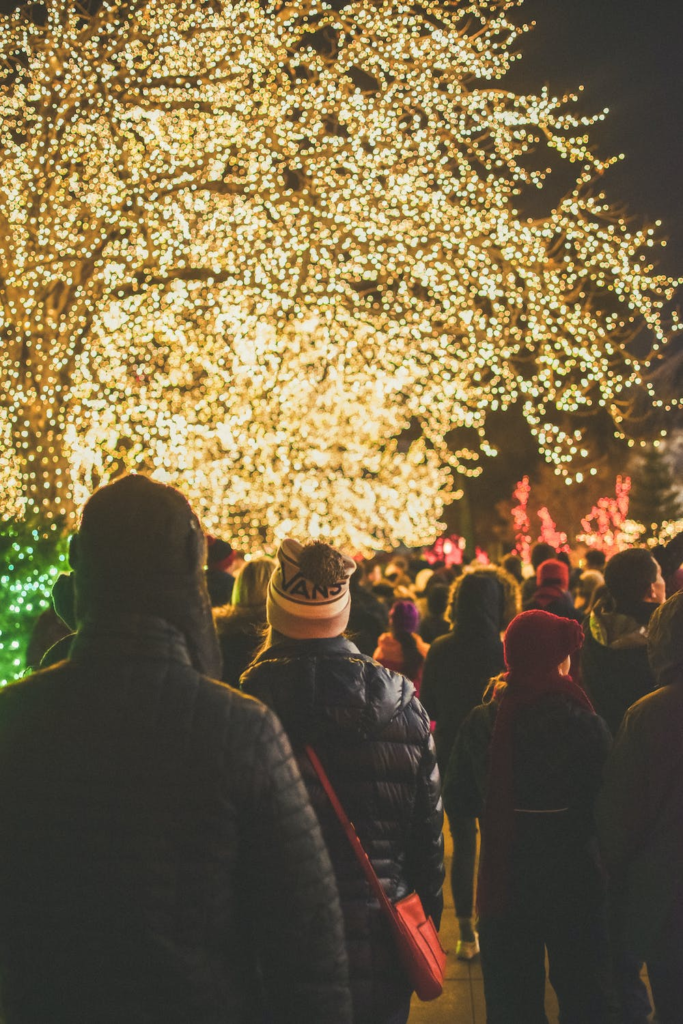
(351,833)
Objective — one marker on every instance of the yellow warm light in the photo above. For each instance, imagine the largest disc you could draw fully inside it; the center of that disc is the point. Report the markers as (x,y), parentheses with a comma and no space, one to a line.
(245,246)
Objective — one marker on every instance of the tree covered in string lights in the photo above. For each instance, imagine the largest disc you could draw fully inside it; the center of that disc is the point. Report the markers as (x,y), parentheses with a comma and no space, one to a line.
(286,237)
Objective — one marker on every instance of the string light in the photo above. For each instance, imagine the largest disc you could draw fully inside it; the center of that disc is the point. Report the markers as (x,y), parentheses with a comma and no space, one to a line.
(251,247)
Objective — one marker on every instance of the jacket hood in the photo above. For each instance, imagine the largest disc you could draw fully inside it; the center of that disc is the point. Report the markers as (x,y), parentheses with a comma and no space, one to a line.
(326,685)
(140,550)
(617,631)
(479,605)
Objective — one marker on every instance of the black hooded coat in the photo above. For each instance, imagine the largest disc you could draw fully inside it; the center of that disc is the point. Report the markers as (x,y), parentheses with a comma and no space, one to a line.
(160,862)
(461,663)
(372,736)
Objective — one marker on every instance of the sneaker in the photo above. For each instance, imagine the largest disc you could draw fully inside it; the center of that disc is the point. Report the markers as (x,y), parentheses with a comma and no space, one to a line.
(467,950)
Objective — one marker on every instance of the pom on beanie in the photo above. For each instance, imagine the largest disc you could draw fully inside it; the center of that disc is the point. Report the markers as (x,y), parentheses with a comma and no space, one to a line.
(308,594)
(537,642)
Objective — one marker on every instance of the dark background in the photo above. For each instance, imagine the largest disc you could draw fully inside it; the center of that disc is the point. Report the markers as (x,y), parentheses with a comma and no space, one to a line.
(627,55)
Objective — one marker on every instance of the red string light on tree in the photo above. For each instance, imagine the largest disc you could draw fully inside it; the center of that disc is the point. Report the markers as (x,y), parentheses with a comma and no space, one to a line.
(520,517)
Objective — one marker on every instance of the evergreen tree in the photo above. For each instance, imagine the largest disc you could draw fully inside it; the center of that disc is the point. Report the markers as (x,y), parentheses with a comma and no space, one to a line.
(654,497)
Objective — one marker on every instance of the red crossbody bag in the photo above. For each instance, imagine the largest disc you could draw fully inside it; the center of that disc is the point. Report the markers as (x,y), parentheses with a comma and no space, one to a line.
(417,940)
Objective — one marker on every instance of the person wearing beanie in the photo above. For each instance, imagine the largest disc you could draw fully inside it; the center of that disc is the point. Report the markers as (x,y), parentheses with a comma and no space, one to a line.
(640,819)
(614,663)
(160,862)
(540,552)
(533,782)
(373,738)
(402,649)
(552,590)
(456,673)
(219,579)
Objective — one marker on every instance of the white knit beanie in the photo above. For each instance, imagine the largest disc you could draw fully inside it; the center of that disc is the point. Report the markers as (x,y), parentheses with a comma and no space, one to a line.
(308,594)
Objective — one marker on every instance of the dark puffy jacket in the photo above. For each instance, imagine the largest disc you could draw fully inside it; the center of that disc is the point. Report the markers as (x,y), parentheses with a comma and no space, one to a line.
(159,858)
(373,738)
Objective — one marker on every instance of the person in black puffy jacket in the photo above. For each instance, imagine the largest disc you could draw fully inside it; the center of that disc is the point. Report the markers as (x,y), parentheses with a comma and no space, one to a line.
(160,862)
(373,738)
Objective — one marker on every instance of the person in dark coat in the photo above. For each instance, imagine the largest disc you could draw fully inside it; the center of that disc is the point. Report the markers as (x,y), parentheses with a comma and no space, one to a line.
(529,766)
(552,590)
(640,819)
(374,741)
(456,673)
(540,552)
(434,623)
(160,862)
(614,665)
(369,617)
(219,580)
(241,625)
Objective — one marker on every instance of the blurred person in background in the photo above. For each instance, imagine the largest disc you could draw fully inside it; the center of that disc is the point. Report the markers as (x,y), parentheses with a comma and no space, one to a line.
(640,819)
(241,625)
(434,623)
(369,616)
(614,663)
(458,668)
(402,649)
(552,590)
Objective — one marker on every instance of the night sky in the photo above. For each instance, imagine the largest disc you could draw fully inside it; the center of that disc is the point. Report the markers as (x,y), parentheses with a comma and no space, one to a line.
(627,55)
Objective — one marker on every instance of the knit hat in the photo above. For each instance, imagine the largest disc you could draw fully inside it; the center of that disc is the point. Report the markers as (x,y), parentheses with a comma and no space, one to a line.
(219,554)
(140,550)
(308,594)
(404,616)
(536,642)
(553,571)
(665,640)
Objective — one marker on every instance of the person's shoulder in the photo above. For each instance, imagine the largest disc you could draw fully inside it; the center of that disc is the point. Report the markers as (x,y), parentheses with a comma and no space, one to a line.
(225,699)
(662,704)
(33,682)
(444,645)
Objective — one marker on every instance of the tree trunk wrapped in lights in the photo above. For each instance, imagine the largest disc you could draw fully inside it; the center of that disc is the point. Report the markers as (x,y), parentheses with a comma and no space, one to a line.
(229,172)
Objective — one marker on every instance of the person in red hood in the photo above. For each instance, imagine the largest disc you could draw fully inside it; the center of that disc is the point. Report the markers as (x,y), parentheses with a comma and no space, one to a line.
(552,590)
(529,766)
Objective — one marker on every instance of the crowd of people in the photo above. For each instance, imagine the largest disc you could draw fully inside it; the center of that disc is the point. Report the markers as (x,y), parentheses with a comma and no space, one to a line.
(168,852)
